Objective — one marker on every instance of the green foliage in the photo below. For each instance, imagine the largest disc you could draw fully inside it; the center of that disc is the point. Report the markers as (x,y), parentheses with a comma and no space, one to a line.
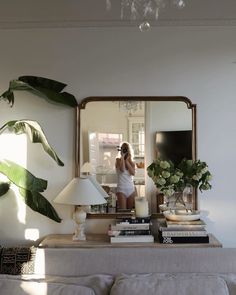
(22,177)
(170,179)
(166,177)
(43,87)
(39,203)
(29,185)
(29,188)
(4,188)
(196,173)
(35,133)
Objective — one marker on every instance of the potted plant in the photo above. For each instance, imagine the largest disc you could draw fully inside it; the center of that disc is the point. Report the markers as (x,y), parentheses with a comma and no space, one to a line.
(31,187)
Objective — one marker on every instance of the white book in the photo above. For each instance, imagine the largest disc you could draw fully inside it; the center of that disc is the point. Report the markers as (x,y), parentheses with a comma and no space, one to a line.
(192,223)
(130,226)
(133,239)
(191,233)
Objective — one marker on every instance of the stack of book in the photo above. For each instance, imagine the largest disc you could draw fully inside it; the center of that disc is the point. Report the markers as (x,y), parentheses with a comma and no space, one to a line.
(172,232)
(131,230)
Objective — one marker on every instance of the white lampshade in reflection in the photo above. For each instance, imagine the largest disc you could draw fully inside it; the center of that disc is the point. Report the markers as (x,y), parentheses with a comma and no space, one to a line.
(86,168)
(83,192)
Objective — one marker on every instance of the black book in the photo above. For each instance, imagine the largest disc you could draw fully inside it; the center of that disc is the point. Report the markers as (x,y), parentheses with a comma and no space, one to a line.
(134,232)
(135,220)
(184,240)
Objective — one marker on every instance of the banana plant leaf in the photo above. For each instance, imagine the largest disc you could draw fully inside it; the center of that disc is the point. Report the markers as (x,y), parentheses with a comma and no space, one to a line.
(35,133)
(39,203)
(21,177)
(4,188)
(46,88)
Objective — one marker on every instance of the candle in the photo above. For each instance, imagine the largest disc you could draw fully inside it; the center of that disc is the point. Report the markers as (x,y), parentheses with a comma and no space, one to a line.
(141,207)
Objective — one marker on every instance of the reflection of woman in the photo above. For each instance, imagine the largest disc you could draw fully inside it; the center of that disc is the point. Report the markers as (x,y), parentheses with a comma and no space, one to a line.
(125,169)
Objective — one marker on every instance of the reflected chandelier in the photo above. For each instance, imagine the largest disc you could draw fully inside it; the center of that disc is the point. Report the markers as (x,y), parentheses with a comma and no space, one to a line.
(144,10)
(130,106)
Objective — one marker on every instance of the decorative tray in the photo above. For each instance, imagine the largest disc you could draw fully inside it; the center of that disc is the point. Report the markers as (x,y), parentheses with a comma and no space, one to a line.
(182,215)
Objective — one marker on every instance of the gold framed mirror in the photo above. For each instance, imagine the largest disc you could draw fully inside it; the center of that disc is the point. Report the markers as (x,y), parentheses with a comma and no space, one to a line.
(104,122)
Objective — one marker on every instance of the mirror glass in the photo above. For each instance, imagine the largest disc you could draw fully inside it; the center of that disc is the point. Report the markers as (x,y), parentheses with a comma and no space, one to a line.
(154,127)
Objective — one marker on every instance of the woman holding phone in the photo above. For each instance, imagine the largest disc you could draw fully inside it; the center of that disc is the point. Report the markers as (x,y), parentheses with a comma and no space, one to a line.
(125,168)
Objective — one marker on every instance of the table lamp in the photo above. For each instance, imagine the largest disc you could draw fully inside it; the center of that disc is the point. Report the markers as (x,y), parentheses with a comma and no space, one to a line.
(81,192)
(86,168)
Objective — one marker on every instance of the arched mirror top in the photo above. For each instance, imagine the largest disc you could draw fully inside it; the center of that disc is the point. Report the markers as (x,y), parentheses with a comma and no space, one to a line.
(83,103)
(149,119)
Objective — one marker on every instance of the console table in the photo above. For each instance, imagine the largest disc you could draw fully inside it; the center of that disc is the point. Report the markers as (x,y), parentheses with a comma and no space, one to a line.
(102,241)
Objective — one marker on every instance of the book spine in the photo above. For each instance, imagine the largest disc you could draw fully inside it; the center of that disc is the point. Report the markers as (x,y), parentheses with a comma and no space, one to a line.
(184,240)
(185,227)
(132,239)
(185,223)
(136,220)
(200,233)
(130,226)
(129,232)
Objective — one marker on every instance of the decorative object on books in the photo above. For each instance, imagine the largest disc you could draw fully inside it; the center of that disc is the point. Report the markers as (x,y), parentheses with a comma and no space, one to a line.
(141,207)
(181,215)
(172,181)
(84,192)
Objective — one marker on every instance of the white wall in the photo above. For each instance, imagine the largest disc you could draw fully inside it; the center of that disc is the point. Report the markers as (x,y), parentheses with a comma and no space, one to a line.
(193,62)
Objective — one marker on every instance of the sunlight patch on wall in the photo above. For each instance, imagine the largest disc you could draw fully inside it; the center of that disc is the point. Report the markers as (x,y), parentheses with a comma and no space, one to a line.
(21,207)
(32,234)
(14,148)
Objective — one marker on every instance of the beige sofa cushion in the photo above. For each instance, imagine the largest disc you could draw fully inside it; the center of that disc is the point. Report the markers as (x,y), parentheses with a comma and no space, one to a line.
(157,284)
(11,286)
(100,284)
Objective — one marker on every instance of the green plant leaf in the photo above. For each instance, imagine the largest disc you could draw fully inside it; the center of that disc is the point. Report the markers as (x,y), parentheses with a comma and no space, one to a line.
(46,88)
(4,188)
(21,177)
(39,203)
(35,133)
(43,82)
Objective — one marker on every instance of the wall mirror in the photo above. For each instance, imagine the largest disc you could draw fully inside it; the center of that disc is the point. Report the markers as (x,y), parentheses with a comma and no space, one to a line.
(104,122)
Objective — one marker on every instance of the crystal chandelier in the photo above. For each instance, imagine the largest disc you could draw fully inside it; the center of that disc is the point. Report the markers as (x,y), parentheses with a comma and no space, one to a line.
(144,10)
(130,106)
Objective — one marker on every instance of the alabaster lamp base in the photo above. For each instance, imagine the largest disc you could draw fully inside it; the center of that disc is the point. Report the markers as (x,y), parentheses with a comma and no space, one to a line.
(80,218)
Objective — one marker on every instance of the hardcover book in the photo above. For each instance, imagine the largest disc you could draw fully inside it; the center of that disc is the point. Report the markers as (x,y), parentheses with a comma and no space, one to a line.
(129,232)
(192,223)
(184,240)
(135,220)
(130,226)
(183,233)
(133,239)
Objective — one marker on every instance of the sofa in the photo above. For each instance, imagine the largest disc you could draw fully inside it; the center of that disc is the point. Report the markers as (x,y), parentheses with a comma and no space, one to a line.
(121,271)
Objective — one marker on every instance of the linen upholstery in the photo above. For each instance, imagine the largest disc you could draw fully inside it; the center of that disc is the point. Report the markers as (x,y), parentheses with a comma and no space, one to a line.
(99,284)
(11,286)
(79,262)
(155,284)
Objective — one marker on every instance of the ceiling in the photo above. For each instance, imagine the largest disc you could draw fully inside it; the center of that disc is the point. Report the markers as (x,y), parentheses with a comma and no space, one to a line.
(93,13)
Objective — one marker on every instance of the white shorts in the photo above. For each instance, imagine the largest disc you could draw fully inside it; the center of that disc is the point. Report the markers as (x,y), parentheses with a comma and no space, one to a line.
(127,191)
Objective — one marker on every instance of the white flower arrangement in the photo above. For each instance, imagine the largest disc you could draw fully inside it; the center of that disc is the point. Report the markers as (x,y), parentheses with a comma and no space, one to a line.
(170,179)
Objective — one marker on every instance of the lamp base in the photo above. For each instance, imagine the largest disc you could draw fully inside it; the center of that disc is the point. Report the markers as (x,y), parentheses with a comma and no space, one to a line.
(80,218)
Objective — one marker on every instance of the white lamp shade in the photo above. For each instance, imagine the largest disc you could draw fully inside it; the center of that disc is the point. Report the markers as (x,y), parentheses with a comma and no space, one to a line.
(82,191)
(86,168)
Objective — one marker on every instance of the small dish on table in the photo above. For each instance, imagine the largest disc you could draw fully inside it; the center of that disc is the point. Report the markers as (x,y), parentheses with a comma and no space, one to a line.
(182,215)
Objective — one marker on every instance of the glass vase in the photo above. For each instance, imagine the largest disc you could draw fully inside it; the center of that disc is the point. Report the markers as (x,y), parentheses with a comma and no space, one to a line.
(180,200)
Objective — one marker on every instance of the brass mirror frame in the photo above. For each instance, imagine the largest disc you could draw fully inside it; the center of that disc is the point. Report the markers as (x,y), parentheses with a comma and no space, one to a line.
(82,106)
